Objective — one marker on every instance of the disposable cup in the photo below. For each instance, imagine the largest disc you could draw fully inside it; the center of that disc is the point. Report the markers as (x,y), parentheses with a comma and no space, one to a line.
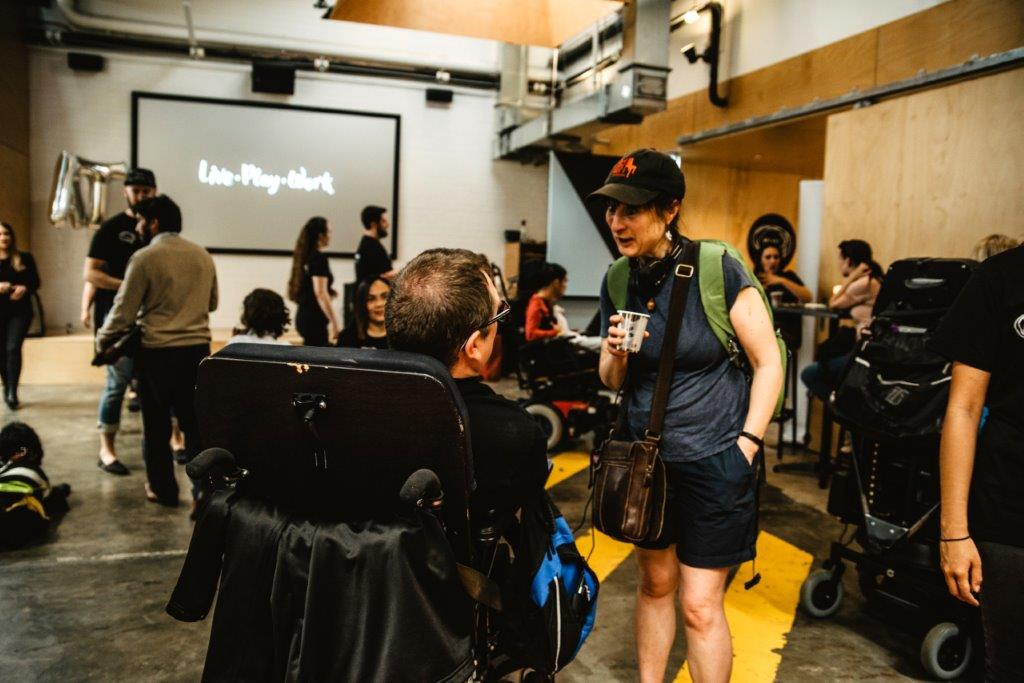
(634,324)
(776,299)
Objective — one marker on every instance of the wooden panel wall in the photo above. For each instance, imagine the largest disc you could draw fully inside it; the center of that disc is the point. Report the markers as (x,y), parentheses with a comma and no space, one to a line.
(524,22)
(942,36)
(14,195)
(722,202)
(928,174)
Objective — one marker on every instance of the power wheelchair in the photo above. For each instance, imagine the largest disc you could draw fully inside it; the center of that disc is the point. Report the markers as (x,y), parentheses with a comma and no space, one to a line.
(565,393)
(333,443)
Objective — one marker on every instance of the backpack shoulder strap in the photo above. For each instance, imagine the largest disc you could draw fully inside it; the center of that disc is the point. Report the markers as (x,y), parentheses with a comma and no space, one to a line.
(618,282)
(712,290)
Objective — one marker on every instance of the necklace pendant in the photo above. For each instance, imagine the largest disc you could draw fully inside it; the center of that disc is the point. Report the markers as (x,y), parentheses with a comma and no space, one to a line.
(650,305)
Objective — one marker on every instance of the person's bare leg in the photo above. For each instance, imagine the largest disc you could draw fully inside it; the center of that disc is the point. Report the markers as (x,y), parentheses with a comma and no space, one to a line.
(708,642)
(177,438)
(108,453)
(655,616)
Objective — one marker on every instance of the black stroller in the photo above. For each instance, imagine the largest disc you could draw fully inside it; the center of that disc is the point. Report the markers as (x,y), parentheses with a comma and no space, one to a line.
(566,396)
(341,538)
(892,398)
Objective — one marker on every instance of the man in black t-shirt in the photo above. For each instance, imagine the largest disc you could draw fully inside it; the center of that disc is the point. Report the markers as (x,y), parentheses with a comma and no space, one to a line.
(452,288)
(982,475)
(372,258)
(111,247)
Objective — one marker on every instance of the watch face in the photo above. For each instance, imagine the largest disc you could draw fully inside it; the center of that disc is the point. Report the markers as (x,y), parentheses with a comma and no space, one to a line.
(772,230)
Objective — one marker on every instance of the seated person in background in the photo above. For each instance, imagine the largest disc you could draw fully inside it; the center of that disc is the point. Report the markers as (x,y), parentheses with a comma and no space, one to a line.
(541,322)
(264,319)
(991,245)
(27,501)
(444,304)
(790,288)
(857,294)
(367,329)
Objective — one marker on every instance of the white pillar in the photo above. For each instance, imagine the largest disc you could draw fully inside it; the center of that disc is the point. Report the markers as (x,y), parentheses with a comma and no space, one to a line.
(808,268)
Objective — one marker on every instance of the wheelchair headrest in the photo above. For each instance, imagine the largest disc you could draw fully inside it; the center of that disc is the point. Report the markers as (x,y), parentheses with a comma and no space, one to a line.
(336,431)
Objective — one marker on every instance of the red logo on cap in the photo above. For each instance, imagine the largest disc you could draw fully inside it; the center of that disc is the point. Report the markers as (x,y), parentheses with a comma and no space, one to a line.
(624,167)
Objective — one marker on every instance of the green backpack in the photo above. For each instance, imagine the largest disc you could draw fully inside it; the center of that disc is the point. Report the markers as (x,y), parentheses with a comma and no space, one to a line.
(712,296)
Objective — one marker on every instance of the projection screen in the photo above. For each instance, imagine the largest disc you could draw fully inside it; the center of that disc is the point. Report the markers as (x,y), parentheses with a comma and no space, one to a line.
(247,175)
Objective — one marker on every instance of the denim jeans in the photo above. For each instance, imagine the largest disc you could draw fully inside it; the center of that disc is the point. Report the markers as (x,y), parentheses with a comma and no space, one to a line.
(119,374)
(822,377)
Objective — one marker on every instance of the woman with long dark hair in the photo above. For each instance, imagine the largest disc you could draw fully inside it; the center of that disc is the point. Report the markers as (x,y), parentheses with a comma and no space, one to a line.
(310,285)
(18,280)
(367,329)
(856,294)
(788,287)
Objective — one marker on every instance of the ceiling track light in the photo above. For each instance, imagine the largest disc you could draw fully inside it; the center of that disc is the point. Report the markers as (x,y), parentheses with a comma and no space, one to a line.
(710,55)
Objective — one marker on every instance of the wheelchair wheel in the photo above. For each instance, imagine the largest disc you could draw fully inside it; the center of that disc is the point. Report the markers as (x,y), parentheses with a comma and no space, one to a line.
(821,594)
(946,651)
(550,421)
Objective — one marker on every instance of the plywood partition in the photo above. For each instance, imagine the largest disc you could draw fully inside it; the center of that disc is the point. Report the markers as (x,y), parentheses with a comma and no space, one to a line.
(722,202)
(927,174)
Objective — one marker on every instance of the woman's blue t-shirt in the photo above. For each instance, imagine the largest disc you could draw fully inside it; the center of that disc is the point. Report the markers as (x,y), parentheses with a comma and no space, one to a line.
(709,396)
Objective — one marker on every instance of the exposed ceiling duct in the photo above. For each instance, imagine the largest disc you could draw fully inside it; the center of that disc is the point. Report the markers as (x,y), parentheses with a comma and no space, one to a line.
(616,88)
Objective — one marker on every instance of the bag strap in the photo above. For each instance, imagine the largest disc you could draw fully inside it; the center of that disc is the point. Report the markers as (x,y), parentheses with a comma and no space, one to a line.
(684,273)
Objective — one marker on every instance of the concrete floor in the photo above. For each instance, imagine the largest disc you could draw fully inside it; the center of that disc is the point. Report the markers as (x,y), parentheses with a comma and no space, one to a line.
(88,603)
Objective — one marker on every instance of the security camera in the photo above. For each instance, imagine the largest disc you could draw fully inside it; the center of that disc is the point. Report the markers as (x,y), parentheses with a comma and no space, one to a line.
(690,52)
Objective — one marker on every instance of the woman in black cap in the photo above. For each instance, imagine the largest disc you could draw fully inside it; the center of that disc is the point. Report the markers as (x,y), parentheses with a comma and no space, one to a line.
(714,421)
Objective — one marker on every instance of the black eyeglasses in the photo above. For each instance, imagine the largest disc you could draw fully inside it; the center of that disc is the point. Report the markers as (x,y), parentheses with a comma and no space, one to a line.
(504,308)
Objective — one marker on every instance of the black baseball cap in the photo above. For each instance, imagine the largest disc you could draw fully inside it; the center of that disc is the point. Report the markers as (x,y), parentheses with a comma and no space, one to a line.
(140,176)
(641,176)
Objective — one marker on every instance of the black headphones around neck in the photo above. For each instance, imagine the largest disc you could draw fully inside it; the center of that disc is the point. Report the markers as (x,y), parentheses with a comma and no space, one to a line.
(646,276)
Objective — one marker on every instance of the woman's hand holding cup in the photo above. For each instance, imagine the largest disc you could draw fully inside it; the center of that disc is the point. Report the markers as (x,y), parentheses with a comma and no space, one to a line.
(617,342)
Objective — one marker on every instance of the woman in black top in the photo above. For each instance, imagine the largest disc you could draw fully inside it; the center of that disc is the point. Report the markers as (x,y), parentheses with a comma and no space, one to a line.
(789,285)
(981,546)
(367,329)
(18,280)
(310,285)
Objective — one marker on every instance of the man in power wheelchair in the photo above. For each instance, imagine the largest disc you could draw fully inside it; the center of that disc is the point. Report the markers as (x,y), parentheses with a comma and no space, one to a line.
(338,557)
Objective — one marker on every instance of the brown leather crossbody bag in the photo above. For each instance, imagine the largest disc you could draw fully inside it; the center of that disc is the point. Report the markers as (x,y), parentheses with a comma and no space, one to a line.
(629,476)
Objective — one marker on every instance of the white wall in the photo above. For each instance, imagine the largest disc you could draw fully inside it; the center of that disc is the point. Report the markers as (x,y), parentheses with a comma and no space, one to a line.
(450,194)
(763,32)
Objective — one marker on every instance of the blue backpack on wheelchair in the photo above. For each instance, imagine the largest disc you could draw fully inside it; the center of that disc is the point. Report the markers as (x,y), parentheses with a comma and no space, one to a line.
(550,601)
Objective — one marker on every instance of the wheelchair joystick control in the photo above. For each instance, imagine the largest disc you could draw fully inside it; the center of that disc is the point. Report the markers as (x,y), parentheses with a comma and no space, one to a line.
(218,465)
(423,489)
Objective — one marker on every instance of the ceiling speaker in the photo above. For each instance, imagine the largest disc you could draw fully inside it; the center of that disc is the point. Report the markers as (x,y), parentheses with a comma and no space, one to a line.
(83,61)
(273,78)
(439,95)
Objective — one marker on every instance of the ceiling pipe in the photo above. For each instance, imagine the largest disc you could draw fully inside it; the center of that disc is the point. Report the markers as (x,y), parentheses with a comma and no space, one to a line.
(712,54)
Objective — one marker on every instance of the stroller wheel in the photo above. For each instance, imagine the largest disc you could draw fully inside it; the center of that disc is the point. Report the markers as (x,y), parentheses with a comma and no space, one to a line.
(946,651)
(550,421)
(821,593)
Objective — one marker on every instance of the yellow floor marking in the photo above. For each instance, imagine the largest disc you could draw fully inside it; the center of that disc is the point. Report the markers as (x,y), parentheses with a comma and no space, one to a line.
(761,618)
(608,553)
(566,465)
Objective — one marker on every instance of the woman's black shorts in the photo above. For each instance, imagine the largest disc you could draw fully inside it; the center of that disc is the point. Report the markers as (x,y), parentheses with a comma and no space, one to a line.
(711,510)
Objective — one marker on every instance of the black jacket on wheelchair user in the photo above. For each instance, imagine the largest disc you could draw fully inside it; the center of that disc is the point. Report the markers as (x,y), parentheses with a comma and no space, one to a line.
(307,600)
(509,451)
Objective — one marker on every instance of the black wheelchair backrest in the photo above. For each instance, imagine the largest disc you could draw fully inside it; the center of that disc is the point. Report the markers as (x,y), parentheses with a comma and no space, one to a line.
(336,432)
